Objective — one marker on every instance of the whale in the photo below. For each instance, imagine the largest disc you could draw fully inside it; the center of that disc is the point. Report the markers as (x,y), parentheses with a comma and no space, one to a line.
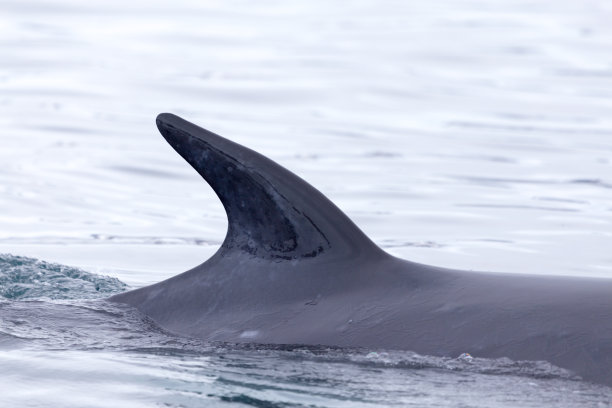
(294,269)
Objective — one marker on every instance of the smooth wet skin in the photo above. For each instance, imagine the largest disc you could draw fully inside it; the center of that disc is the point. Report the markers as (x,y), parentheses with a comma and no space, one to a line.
(294,269)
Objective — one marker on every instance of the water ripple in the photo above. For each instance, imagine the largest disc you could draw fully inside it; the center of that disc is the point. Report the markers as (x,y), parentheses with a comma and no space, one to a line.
(27,278)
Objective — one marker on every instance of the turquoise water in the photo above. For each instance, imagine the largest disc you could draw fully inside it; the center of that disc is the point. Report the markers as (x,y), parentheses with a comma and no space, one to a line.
(465,134)
(24,278)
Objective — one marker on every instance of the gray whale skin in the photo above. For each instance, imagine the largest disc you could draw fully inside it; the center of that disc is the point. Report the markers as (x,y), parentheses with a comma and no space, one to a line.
(294,269)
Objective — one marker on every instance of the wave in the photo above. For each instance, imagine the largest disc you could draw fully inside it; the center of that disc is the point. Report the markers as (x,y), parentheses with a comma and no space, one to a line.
(23,278)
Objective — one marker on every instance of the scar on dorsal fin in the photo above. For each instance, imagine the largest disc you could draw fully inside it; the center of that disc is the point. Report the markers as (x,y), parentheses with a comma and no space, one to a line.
(272,213)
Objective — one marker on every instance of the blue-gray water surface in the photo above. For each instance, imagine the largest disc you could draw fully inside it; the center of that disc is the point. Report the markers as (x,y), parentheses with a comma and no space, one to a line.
(465,134)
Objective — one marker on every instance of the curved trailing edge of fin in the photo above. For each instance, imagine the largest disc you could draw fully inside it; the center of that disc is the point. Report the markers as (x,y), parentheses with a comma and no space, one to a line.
(272,213)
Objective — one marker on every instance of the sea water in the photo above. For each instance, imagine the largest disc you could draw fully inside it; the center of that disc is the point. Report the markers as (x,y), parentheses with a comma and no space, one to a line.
(467,134)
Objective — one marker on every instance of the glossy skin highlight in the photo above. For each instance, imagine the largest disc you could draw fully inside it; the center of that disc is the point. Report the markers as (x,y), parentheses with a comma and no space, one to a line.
(294,269)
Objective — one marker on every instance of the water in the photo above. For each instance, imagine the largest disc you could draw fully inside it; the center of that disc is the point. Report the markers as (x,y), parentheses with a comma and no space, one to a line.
(466,134)
(26,278)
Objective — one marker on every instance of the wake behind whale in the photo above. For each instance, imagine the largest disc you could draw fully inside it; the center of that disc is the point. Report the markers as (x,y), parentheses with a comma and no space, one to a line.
(293,269)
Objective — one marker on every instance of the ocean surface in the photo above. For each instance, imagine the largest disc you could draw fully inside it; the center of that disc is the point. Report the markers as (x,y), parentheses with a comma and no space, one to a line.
(467,134)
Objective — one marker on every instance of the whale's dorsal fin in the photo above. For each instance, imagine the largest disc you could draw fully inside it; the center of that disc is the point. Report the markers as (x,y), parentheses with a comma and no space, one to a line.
(272,213)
